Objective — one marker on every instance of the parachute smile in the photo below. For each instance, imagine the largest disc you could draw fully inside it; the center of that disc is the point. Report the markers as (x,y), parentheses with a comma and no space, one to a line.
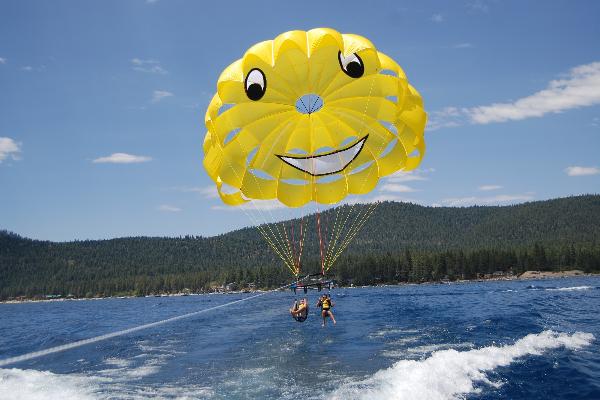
(328,163)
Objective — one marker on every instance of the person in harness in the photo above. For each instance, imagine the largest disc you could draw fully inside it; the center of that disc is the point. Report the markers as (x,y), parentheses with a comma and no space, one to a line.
(299,310)
(326,304)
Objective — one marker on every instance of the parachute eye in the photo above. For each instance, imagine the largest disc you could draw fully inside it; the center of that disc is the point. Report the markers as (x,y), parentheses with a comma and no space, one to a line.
(352,65)
(255,84)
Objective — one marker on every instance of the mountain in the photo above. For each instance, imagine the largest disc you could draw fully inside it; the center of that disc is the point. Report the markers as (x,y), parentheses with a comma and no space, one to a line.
(399,242)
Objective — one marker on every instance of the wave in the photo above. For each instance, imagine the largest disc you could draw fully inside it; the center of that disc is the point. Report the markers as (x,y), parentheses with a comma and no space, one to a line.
(451,374)
(552,288)
(445,374)
(568,289)
(384,332)
(121,378)
(533,287)
(431,348)
(32,385)
(18,384)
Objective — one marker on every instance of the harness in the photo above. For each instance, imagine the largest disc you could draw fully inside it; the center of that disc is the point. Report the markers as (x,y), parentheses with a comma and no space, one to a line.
(301,317)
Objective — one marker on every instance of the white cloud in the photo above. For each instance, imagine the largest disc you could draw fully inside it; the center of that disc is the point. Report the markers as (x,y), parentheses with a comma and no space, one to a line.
(489,187)
(478,6)
(579,88)
(208,192)
(409,176)
(582,171)
(168,208)
(9,149)
(122,158)
(392,188)
(396,188)
(448,117)
(493,200)
(159,95)
(463,46)
(29,68)
(253,205)
(437,18)
(151,66)
(2,60)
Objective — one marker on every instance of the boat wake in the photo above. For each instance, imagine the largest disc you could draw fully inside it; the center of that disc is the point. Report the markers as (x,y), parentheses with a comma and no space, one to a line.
(18,384)
(445,374)
(554,289)
(451,374)
(571,288)
(32,385)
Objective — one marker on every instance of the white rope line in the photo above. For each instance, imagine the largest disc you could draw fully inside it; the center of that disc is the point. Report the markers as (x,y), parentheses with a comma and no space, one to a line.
(364,181)
(79,343)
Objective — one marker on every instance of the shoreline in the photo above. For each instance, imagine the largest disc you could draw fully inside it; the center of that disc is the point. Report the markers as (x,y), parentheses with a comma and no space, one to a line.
(553,274)
(525,276)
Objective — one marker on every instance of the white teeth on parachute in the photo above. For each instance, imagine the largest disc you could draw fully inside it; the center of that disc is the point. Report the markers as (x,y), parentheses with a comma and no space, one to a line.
(327,163)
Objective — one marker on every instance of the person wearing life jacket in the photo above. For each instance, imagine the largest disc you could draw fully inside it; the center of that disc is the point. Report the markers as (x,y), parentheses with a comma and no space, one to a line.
(299,310)
(326,304)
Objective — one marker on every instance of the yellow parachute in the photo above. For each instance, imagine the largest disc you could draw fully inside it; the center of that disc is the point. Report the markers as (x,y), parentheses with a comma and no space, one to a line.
(311,117)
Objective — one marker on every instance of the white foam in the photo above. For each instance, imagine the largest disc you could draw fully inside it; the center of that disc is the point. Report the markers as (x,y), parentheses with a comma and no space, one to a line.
(124,370)
(451,374)
(191,392)
(124,374)
(394,353)
(117,362)
(256,371)
(390,332)
(569,289)
(424,350)
(17,384)
(430,348)
(405,340)
(115,381)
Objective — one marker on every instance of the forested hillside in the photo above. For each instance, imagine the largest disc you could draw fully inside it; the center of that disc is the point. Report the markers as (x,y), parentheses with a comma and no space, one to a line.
(400,242)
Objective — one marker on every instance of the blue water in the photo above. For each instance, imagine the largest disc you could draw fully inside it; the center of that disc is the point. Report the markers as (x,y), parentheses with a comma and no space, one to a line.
(489,340)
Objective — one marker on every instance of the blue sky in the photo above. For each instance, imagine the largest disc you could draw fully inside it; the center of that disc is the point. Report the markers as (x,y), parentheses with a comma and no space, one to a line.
(102,104)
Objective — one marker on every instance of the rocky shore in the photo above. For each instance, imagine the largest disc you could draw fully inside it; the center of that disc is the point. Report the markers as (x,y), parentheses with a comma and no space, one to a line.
(551,274)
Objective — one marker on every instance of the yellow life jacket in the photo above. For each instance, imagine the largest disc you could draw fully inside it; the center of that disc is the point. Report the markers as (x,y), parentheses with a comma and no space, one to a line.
(326,304)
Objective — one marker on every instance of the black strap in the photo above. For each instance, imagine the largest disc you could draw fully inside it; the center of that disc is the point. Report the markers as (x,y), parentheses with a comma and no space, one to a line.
(300,318)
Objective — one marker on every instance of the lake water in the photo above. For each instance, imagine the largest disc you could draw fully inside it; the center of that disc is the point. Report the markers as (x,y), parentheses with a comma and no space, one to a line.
(491,340)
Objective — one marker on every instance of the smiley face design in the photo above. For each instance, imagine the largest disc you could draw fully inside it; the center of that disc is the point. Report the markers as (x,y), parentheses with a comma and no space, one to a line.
(311,116)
